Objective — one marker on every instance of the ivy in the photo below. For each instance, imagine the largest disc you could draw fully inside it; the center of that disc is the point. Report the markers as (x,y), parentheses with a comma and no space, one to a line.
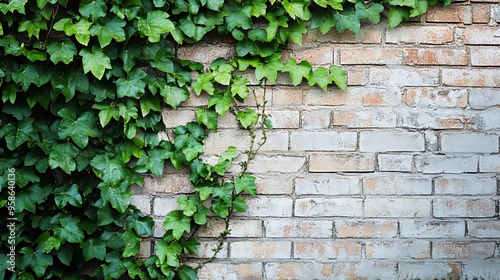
(83,89)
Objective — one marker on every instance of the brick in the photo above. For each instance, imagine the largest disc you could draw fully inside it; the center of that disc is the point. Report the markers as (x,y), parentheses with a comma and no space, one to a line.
(436,57)
(469,143)
(434,35)
(270,163)
(268,206)
(435,119)
(364,119)
(276,141)
(487,120)
(484,98)
(323,141)
(485,56)
(354,162)
(274,184)
(398,249)
(395,163)
(354,96)
(239,228)
(333,97)
(285,119)
(329,207)
(481,35)
(316,119)
(327,250)
(205,53)
(429,270)
(174,118)
(142,202)
(327,185)
(431,97)
(455,14)
(299,270)
(490,163)
(471,77)
(250,271)
(467,208)
(218,142)
(163,205)
(466,185)
(480,13)
(391,185)
(376,56)
(260,249)
(431,141)
(315,56)
(366,229)
(462,250)
(485,269)
(206,250)
(365,270)
(298,228)
(287,96)
(404,76)
(432,229)
(397,207)
(495,13)
(484,229)
(385,141)
(446,164)
(158,229)
(381,97)
(357,76)
(144,250)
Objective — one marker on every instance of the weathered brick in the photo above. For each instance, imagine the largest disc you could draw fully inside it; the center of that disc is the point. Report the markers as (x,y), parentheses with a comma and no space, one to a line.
(466,185)
(385,141)
(469,143)
(488,268)
(316,119)
(353,162)
(298,228)
(327,185)
(365,270)
(206,249)
(431,97)
(174,118)
(467,208)
(432,229)
(274,184)
(480,13)
(158,228)
(268,206)
(217,142)
(404,76)
(367,118)
(366,228)
(381,97)
(333,97)
(260,249)
(285,119)
(471,77)
(481,35)
(398,249)
(239,228)
(315,56)
(487,120)
(395,163)
(446,164)
(163,205)
(420,34)
(462,250)
(397,207)
(287,96)
(484,98)
(357,76)
(434,56)
(377,56)
(484,228)
(144,249)
(323,141)
(489,163)
(391,185)
(329,207)
(485,56)
(431,141)
(299,270)
(230,271)
(205,53)
(277,163)
(436,119)
(454,13)
(429,270)
(327,250)
(142,202)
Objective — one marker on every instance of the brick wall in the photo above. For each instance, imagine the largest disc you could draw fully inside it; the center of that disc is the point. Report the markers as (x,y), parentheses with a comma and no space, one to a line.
(395,178)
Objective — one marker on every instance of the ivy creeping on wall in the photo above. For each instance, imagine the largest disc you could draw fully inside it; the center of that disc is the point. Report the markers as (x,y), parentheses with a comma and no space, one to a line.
(83,86)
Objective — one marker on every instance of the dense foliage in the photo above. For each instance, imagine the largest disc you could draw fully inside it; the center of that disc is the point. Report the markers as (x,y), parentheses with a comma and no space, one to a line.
(83,85)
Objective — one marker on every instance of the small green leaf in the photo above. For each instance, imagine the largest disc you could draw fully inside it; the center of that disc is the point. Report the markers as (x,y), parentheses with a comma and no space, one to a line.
(397,15)
(297,71)
(48,242)
(61,51)
(338,75)
(113,29)
(204,82)
(37,260)
(78,129)
(200,217)
(187,272)
(178,223)
(372,12)
(208,117)
(33,27)
(239,204)
(347,20)
(268,123)
(155,25)
(187,205)
(119,199)
(93,8)
(93,248)
(67,194)
(221,101)
(133,85)
(245,183)
(29,197)
(247,118)
(69,230)
(63,156)
(297,9)
(169,252)
(132,243)
(321,77)
(270,69)
(95,61)
(174,96)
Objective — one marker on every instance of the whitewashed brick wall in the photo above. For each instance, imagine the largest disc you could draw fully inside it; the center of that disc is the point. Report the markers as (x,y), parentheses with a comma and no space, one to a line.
(395,178)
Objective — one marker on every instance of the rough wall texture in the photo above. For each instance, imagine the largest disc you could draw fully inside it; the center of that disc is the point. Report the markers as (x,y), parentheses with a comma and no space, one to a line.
(395,178)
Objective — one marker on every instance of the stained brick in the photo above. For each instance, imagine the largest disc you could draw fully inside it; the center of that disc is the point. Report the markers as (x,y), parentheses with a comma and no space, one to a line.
(397,207)
(429,270)
(353,162)
(489,163)
(466,185)
(485,56)
(446,164)
(285,119)
(366,118)
(484,98)
(398,249)
(268,206)
(205,53)
(404,76)
(484,228)
(436,57)
(327,250)
(480,13)
(287,96)
(420,35)
(316,119)
(371,56)
(431,97)
(481,35)
(432,229)
(366,228)
(395,163)
(327,185)
(260,249)
(231,271)
(393,185)
(436,119)
(466,208)
(323,141)
(298,228)
(462,250)
(471,77)
(329,207)
(315,56)
(454,13)
(276,164)
(299,270)
(365,270)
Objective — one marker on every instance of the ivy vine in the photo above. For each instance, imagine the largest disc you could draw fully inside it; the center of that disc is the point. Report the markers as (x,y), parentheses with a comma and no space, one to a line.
(83,86)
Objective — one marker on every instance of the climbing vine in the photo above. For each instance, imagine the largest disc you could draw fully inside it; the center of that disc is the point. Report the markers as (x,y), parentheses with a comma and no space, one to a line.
(83,86)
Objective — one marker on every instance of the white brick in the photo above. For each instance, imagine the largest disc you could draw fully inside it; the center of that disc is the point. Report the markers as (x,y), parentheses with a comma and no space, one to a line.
(298,270)
(404,76)
(268,206)
(435,119)
(395,185)
(298,228)
(206,249)
(488,268)
(365,270)
(366,228)
(326,185)
(466,185)
(269,163)
(487,120)
(323,141)
(432,229)
(142,202)
(327,250)
(395,163)
(427,270)
(315,119)
(484,229)
(484,98)
(367,118)
(285,119)
(397,207)
(218,142)
(431,141)
(276,141)
(398,249)
(432,97)
(353,162)
(261,249)
(163,205)
(462,250)
(446,164)
(231,271)
(329,207)
(490,163)
(274,184)
(469,143)
(174,118)
(238,227)
(384,141)
(466,208)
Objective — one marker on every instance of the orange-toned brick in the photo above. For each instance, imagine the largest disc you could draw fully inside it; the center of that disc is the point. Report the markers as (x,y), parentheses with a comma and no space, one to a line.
(285,96)
(366,228)
(326,250)
(432,97)
(434,35)
(231,271)
(436,57)
(357,76)
(454,13)
(299,270)
(260,249)
(481,13)
(315,56)
(378,56)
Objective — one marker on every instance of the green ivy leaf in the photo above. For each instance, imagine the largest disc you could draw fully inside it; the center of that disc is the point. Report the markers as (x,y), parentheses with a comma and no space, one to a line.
(270,69)
(347,20)
(71,81)
(187,205)
(239,16)
(61,51)
(81,29)
(169,252)
(297,71)
(63,156)
(222,102)
(372,12)
(174,96)
(204,82)
(187,272)
(297,9)
(113,29)
(32,74)
(93,8)
(132,243)
(324,21)
(67,194)
(239,204)
(119,199)
(153,161)
(155,25)
(200,217)
(48,242)
(239,87)
(13,5)
(95,61)
(247,117)
(15,137)
(69,230)
(29,197)
(93,248)
(338,75)
(335,4)
(37,260)
(245,183)
(78,129)
(396,16)
(110,170)
(321,77)
(178,223)
(33,27)
(133,85)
